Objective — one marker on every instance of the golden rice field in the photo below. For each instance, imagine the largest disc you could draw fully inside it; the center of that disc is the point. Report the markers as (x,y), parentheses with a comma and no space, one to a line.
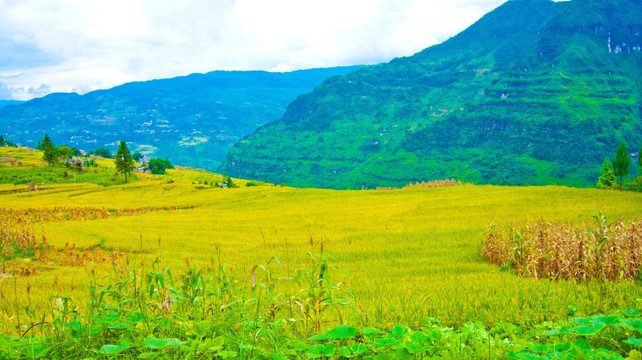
(411,254)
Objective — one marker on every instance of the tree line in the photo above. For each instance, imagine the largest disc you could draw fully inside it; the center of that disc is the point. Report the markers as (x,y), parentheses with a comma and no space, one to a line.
(125,161)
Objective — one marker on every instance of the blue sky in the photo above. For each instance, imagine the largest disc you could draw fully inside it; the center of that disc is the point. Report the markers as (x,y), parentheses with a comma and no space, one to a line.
(83,45)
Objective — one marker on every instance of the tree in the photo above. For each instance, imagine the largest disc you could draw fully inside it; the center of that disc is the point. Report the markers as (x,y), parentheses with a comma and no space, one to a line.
(1,141)
(123,160)
(50,154)
(230,184)
(137,156)
(104,152)
(622,163)
(158,166)
(607,180)
(64,152)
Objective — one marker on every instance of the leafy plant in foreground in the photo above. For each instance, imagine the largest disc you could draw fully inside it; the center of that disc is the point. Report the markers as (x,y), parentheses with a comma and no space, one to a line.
(206,313)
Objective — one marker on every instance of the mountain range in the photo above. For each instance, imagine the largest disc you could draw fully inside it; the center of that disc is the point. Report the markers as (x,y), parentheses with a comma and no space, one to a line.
(9,102)
(536,92)
(190,120)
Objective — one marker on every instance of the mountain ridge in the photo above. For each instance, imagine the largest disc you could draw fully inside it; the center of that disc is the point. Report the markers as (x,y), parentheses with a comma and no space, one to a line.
(510,100)
(192,119)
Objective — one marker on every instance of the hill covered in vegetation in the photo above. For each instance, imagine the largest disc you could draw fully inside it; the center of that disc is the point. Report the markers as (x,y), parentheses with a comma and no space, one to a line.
(190,120)
(536,92)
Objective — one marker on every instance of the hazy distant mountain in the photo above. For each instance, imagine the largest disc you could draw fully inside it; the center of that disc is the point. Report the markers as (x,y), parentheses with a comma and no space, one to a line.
(191,120)
(9,102)
(536,92)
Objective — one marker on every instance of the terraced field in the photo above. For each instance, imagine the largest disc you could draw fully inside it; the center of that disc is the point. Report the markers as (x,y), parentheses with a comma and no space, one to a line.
(410,255)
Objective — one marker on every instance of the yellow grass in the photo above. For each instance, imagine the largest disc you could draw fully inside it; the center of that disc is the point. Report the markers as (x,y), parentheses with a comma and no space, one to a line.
(411,254)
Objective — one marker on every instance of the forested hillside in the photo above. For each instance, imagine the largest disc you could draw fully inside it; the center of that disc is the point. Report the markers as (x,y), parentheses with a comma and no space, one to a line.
(536,92)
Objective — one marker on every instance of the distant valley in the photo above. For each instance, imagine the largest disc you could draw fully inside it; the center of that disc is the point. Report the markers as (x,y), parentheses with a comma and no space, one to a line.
(191,120)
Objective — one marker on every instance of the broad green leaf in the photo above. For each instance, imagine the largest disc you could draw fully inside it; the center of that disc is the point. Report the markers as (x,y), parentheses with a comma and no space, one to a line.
(342,332)
(301,346)
(73,324)
(353,350)
(637,324)
(157,344)
(386,356)
(398,331)
(113,349)
(371,331)
(589,330)
(404,354)
(315,351)
(420,337)
(414,348)
(329,350)
(386,342)
(632,312)
(634,341)
(607,320)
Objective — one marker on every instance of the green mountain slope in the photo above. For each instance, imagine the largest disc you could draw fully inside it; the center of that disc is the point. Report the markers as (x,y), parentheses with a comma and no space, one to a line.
(191,120)
(536,92)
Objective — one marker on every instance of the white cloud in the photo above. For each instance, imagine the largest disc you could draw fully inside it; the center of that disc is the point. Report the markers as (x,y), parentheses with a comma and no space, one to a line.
(84,45)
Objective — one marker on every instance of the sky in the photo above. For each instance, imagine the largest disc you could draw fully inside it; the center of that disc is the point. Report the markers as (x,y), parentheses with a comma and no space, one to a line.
(83,45)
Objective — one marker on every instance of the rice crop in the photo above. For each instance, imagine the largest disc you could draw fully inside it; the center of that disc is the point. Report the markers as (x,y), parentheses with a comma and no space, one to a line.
(411,258)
